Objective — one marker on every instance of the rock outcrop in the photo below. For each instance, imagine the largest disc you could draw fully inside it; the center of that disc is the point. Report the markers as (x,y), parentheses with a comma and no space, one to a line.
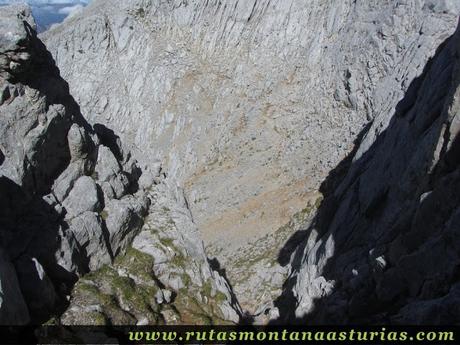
(71,202)
(163,278)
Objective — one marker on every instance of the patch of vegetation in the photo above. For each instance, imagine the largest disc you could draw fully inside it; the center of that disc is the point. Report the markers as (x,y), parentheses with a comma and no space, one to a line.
(186,279)
(125,292)
(136,263)
(220,297)
(140,12)
(119,295)
(207,289)
(52,322)
(178,259)
(193,312)
(302,215)
(168,242)
(96,319)
(87,288)
(139,298)
(104,214)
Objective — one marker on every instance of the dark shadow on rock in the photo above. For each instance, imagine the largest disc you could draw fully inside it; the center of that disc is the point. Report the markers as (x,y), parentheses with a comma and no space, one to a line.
(291,245)
(42,74)
(327,206)
(361,229)
(134,179)
(29,227)
(216,266)
(110,139)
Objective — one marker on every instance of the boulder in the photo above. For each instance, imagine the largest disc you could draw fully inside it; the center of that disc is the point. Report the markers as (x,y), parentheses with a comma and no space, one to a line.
(65,182)
(83,197)
(90,234)
(67,257)
(15,34)
(120,185)
(124,219)
(107,166)
(80,143)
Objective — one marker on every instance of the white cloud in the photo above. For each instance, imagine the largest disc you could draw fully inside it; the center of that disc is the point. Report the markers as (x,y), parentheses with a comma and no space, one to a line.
(70,10)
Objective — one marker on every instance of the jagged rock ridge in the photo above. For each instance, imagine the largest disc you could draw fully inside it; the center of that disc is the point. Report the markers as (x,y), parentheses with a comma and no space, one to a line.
(73,201)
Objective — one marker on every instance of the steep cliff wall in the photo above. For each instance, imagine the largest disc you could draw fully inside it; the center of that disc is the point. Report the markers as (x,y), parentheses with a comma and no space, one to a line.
(384,245)
(76,208)
(249,103)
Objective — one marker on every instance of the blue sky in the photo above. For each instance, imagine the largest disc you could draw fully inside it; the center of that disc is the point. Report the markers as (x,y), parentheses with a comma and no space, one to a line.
(48,12)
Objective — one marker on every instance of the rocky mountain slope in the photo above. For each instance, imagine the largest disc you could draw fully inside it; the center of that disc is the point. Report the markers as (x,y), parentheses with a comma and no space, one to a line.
(73,201)
(248,103)
(310,144)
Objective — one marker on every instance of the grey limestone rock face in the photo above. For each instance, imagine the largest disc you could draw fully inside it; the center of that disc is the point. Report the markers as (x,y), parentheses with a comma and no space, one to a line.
(253,106)
(72,205)
(119,185)
(65,182)
(91,235)
(83,197)
(52,227)
(219,121)
(107,165)
(171,238)
(124,219)
(248,103)
(14,60)
(33,128)
(68,257)
(164,277)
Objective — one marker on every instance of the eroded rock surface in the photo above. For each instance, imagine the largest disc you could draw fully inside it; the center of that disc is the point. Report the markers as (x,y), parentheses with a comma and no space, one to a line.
(249,103)
(163,278)
(229,121)
(71,203)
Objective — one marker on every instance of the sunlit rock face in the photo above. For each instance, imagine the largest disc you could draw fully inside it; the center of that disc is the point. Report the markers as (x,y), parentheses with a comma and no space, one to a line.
(252,106)
(249,103)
